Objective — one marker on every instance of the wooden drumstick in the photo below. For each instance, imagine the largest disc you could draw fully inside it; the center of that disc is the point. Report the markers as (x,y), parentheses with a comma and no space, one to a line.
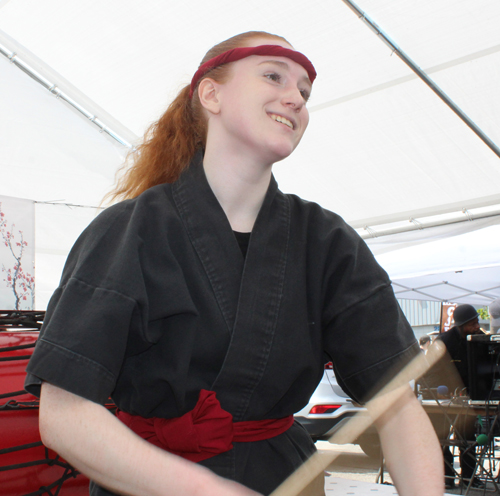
(307,472)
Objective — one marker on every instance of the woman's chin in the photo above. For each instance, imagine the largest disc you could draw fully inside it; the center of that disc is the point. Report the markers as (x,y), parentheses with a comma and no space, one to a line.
(283,151)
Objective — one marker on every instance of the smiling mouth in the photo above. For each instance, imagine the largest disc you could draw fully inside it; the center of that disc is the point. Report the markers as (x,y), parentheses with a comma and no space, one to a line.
(283,120)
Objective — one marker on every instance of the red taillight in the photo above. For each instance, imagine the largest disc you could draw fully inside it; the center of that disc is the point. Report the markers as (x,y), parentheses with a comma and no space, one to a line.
(324,408)
(329,366)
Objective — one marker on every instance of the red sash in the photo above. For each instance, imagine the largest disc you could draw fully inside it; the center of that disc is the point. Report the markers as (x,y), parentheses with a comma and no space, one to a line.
(205,431)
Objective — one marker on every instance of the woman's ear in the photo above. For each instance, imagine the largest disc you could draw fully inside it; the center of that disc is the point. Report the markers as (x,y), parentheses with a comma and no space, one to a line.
(208,93)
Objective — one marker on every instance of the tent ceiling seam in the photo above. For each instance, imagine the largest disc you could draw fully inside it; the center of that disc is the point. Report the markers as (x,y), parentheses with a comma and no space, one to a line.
(405,79)
(69,205)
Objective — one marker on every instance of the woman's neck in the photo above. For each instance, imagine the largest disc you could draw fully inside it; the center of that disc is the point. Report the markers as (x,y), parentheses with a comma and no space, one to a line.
(239,185)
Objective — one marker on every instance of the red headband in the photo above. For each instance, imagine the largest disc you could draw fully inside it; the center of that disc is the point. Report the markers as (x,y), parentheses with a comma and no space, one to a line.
(240,53)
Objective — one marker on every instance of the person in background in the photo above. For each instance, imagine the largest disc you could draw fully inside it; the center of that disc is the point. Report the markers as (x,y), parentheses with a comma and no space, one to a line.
(204,303)
(451,373)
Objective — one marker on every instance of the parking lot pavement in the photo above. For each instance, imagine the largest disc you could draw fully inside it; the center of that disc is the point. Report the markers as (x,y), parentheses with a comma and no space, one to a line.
(351,462)
(354,473)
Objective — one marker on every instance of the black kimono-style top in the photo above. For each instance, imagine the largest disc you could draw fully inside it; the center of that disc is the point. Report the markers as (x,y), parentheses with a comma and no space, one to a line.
(156,302)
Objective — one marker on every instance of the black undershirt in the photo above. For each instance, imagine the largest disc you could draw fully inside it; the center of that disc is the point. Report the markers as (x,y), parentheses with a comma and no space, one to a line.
(243,240)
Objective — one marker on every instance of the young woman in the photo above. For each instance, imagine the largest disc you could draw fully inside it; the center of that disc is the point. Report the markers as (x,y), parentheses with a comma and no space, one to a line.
(205,303)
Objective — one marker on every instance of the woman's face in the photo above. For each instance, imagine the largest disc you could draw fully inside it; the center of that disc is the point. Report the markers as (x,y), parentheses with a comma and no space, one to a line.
(263,105)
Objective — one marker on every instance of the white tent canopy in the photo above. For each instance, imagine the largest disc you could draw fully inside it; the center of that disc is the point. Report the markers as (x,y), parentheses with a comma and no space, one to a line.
(458,262)
(382,147)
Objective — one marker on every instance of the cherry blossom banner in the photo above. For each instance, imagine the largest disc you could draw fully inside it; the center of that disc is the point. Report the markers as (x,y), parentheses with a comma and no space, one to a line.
(17,254)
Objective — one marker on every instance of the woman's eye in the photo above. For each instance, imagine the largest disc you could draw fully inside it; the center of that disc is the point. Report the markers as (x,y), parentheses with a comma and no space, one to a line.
(273,76)
(305,94)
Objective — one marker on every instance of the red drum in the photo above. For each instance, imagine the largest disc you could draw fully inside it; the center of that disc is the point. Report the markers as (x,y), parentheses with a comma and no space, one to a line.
(27,467)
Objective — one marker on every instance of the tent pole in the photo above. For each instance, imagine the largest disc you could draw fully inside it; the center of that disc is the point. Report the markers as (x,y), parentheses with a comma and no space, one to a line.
(422,75)
(415,225)
(22,61)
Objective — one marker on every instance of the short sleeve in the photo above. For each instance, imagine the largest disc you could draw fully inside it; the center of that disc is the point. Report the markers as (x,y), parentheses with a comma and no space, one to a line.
(370,342)
(365,331)
(100,301)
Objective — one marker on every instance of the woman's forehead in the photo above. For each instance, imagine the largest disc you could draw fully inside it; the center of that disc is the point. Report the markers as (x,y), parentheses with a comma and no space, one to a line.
(265,61)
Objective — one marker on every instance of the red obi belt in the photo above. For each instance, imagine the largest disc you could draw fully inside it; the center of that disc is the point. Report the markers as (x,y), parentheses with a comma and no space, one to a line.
(205,431)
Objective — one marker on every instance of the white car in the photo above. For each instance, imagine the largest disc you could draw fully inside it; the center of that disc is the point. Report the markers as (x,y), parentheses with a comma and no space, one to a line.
(329,408)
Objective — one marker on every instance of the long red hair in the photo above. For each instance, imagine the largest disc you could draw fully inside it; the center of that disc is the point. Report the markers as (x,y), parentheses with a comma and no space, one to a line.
(170,143)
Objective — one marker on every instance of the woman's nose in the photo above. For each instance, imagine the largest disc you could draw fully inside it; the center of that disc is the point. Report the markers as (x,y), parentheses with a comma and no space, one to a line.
(293,99)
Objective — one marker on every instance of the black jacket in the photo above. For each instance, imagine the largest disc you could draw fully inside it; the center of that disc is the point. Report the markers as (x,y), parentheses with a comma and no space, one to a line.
(157,302)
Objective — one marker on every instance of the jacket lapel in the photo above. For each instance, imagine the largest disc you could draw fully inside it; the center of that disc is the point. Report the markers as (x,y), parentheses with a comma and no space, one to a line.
(211,236)
(248,292)
(258,305)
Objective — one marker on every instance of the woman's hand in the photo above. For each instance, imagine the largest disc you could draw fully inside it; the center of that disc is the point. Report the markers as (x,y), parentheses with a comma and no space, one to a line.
(96,443)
